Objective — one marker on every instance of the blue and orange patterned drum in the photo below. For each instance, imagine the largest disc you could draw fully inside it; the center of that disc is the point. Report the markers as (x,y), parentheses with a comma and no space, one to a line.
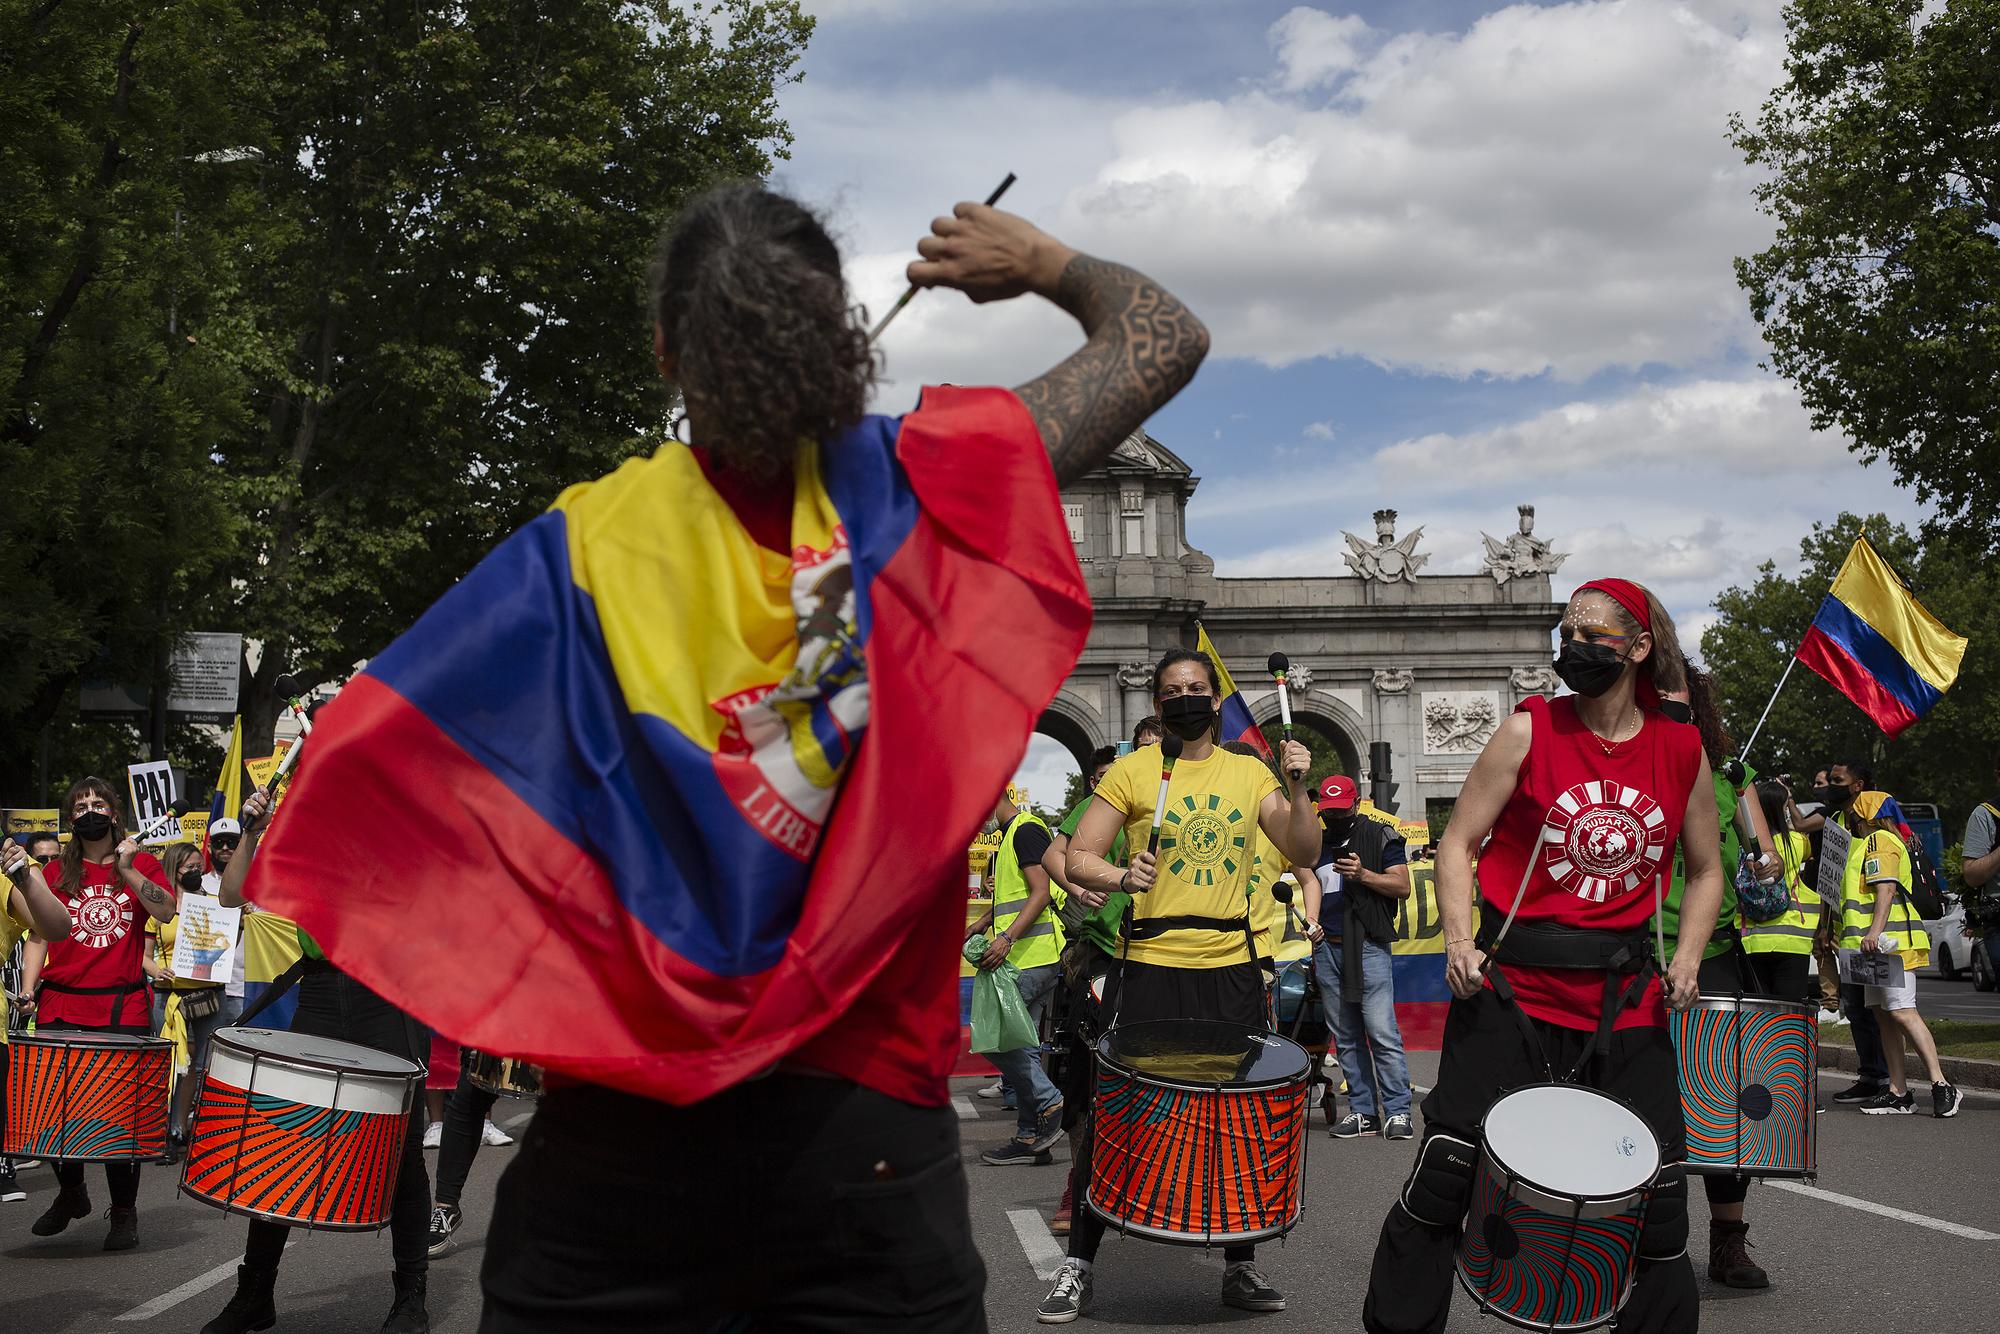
(1749,1082)
(1558,1200)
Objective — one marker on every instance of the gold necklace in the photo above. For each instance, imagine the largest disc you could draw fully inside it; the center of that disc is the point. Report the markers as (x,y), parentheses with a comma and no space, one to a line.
(1609,746)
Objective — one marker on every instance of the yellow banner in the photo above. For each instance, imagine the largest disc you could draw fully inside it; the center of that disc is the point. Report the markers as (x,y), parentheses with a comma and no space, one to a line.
(30,820)
(194,828)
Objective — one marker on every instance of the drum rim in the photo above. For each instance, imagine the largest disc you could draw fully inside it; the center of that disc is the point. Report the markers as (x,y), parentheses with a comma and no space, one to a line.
(90,1037)
(1660,1163)
(267,1216)
(1207,1085)
(223,1036)
(1202,1239)
(1726,1001)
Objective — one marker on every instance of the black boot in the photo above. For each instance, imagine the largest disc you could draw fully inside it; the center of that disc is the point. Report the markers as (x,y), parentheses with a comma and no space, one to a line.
(408,1315)
(1729,1263)
(251,1308)
(70,1203)
(124,1233)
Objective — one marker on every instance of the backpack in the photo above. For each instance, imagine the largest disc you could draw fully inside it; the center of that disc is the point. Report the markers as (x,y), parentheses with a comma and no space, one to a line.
(1760,900)
(1926,885)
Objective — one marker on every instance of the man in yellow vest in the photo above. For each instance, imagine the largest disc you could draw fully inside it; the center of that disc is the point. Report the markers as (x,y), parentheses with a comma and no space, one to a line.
(1781,950)
(1028,936)
(1877,918)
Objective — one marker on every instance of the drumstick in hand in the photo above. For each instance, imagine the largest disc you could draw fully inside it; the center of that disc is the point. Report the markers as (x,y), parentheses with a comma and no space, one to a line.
(1279,664)
(1170,750)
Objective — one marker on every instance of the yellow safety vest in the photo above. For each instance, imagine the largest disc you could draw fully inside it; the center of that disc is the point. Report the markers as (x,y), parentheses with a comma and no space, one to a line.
(1793,932)
(1042,941)
(1904,932)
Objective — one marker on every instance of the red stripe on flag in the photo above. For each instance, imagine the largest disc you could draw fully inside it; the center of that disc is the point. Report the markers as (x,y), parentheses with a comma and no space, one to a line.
(1823,656)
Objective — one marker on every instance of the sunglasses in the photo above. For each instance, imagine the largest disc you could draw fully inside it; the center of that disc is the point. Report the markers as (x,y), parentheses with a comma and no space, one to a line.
(224,841)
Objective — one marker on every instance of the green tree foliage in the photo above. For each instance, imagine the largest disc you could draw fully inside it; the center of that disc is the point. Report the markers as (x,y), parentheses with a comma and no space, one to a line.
(1880,296)
(1326,755)
(1947,758)
(303,308)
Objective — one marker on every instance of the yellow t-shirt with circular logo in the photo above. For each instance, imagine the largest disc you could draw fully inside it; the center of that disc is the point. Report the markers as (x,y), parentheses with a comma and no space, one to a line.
(1208,848)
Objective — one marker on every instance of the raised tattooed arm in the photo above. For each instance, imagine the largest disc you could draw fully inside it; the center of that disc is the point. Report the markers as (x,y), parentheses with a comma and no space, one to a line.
(1143,344)
(1143,348)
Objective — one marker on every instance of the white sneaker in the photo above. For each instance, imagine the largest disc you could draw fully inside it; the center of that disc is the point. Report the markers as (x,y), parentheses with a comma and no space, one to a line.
(433,1134)
(494,1136)
(993,1090)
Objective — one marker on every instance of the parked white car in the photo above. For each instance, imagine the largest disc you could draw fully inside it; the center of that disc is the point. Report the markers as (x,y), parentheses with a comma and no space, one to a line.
(1954,954)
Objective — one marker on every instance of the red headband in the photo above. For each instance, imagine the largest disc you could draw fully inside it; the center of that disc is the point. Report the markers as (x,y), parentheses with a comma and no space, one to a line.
(1633,599)
(1627,595)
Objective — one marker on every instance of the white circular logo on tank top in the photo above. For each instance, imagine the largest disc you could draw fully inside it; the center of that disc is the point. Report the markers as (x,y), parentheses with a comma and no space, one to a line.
(1603,840)
(100,917)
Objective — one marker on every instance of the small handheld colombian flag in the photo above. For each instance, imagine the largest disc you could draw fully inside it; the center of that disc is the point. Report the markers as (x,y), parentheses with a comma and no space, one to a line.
(654,805)
(1876,644)
(1231,710)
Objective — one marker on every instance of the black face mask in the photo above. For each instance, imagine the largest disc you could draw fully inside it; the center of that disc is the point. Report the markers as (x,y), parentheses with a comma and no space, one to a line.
(1833,798)
(1339,828)
(91,825)
(1188,716)
(191,881)
(1677,710)
(1589,669)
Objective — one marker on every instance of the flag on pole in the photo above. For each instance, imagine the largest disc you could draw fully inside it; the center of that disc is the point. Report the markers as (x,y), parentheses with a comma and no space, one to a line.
(599,776)
(228,798)
(1876,644)
(1237,724)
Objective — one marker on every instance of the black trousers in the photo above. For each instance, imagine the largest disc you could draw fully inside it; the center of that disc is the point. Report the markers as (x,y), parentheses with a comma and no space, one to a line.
(1135,992)
(1486,1054)
(789,1203)
(465,1113)
(122,1179)
(334,1005)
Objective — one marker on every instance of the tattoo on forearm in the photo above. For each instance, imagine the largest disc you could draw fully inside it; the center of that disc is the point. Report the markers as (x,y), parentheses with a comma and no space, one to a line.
(152,893)
(1144,346)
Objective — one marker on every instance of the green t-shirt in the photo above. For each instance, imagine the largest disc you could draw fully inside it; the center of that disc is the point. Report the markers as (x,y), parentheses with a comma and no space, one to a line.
(1726,798)
(308,946)
(1101,927)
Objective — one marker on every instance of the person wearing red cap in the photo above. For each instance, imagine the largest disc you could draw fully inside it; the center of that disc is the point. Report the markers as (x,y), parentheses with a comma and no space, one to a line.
(1350,911)
(1585,797)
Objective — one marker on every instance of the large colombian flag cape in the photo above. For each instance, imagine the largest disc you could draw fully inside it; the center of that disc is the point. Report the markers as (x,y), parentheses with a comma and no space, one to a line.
(650,805)
(1876,644)
(1231,711)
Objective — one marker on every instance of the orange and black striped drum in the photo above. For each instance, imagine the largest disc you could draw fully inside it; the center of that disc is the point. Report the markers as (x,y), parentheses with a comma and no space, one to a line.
(1199,1135)
(1749,1082)
(300,1130)
(84,1097)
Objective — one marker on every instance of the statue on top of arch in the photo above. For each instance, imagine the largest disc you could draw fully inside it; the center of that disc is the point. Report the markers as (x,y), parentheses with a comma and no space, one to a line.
(1522,554)
(1389,559)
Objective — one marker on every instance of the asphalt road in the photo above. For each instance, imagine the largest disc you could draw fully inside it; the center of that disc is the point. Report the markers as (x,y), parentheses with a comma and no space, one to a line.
(1939,999)
(1830,1260)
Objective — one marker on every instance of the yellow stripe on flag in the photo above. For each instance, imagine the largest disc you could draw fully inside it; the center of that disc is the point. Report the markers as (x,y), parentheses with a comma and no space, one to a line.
(1871,590)
(1207,645)
(270,946)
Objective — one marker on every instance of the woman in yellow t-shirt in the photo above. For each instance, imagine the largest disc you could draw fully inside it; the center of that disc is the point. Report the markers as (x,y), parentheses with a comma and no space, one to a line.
(1188,951)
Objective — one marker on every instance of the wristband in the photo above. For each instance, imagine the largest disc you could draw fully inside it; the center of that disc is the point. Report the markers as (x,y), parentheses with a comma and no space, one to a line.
(1457,940)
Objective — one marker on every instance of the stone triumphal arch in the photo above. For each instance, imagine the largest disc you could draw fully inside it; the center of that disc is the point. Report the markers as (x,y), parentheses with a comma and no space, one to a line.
(1383,651)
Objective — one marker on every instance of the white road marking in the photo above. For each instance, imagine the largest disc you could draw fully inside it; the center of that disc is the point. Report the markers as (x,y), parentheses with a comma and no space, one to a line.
(1044,1256)
(966,1111)
(1870,1207)
(194,1287)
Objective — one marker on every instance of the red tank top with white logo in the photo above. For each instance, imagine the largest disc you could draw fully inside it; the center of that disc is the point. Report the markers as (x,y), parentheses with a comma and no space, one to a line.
(1601,828)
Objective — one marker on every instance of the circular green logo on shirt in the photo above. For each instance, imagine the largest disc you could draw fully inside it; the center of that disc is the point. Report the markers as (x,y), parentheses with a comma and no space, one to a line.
(1198,841)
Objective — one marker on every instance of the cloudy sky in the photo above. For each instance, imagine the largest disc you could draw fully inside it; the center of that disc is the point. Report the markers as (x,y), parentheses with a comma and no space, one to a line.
(1455,257)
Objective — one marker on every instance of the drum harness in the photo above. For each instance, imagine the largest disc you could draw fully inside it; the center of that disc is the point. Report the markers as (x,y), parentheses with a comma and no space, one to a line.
(1620,955)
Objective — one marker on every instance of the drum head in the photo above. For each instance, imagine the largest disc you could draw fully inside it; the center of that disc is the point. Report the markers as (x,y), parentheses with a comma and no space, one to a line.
(83,1037)
(326,1053)
(1203,1053)
(1758,1004)
(1570,1140)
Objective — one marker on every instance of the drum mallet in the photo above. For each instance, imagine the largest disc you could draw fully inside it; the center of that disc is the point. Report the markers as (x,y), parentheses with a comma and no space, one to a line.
(1170,750)
(912,289)
(1279,664)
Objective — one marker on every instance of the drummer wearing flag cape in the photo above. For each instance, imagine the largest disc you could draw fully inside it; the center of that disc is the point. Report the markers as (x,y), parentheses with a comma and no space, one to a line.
(700,749)
(1584,797)
(1189,951)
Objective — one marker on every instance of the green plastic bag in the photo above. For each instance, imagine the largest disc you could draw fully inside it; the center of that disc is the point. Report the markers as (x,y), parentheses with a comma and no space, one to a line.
(1000,1019)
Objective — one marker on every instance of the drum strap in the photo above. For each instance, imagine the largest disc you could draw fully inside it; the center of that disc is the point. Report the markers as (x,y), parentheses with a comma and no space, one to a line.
(284,982)
(127,990)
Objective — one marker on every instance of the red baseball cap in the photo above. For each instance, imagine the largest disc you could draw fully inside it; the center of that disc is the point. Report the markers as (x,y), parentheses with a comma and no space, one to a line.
(1338,793)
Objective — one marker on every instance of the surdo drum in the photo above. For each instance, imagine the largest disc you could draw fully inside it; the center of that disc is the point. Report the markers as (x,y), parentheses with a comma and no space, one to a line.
(1749,1081)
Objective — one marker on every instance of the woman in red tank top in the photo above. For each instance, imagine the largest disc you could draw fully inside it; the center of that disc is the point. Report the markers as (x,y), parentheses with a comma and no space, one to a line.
(1584,798)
